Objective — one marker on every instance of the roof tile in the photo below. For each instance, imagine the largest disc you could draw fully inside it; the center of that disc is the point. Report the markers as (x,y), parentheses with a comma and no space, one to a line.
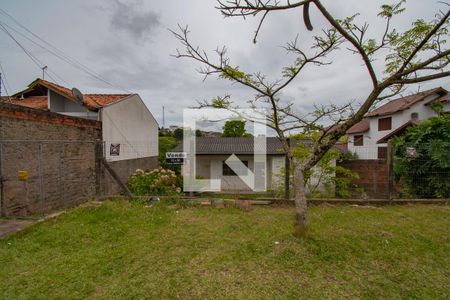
(92,101)
(361,126)
(404,102)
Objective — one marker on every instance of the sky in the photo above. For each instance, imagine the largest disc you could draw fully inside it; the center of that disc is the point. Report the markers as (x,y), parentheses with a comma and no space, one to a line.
(128,43)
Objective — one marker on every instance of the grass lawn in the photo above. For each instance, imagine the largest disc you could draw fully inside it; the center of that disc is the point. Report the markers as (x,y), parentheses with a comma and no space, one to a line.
(124,250)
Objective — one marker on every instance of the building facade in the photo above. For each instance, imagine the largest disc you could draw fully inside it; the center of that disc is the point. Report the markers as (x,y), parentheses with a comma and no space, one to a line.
(369,138)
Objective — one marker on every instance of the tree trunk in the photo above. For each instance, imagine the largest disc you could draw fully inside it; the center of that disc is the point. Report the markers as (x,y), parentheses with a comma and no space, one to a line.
(301,220)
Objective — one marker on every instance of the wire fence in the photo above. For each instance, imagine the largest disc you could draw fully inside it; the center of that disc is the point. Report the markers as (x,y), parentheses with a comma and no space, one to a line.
(387,171)
(38,177)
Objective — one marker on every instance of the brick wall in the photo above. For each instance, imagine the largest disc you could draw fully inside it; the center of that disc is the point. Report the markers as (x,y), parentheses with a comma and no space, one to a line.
(59,154)
(373,176)
(62,157)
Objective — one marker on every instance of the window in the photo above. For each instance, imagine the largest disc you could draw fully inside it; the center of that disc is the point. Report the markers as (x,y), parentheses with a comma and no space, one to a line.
(226,170)
(384,124)
(358,140)
(382,152)
(415,116)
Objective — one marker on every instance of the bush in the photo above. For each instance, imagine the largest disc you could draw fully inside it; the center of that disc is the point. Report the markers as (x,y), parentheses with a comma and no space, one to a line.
(157,182)
(422,159)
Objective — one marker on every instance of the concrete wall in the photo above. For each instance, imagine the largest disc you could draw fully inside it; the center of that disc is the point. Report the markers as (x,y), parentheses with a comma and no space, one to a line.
(62,105)
(369,150)
(59,103)
(59,154)
(276,164)
(125,168)
(210,167)
(130,124)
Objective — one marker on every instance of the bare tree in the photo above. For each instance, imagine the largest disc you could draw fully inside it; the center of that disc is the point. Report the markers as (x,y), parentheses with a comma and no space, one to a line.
(408,55)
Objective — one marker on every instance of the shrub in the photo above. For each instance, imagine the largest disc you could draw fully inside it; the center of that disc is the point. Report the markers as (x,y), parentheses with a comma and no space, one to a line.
(422,159)
(157,182)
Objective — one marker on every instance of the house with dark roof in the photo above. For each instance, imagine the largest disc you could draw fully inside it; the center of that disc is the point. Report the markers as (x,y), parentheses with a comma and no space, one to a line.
(212,152)
(129,130)
(369,138)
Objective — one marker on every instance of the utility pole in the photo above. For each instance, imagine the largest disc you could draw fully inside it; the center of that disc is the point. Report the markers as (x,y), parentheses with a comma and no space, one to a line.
(163,119)
(43,71)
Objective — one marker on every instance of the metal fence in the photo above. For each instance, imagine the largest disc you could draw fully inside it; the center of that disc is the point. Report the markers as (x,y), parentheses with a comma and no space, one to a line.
(399,172)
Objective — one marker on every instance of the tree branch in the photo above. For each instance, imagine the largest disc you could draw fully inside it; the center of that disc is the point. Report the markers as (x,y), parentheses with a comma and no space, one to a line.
(351,39)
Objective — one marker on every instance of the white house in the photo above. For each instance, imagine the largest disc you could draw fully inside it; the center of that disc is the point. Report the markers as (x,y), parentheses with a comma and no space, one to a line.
(129,130)
(212,152)
(369,138)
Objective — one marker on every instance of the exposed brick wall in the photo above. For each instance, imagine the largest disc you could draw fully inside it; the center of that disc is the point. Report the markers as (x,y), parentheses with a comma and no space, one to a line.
(44,117)
(57,151)
(373,176)
(62,157)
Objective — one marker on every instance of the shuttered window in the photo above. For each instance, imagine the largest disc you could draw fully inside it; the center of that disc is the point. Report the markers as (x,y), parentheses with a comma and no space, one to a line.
(358,140)
(384,124)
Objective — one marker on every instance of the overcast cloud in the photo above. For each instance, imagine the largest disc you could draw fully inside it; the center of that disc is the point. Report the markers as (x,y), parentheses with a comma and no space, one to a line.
(127,43)
(129,18)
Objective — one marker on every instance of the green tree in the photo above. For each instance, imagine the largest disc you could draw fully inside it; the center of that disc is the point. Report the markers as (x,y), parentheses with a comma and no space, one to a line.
(178,133)
(422,159)
(416,55)
(166,144)
(234,128)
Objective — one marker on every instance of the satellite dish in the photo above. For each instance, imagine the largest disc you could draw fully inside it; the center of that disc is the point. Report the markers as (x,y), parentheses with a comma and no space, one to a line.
(77,95)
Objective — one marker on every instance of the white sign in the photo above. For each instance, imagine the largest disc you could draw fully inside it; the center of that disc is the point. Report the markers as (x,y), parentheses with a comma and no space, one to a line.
(176,154)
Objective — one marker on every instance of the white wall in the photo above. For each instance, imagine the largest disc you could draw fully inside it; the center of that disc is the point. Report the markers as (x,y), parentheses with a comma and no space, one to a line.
(277,164)
(210,167)
(370,148)
(129,123)
(59,104)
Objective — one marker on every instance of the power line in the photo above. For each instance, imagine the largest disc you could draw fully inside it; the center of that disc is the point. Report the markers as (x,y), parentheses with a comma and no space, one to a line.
(35,60)
(38,63)
(24,36)
(61,55)
(6,85)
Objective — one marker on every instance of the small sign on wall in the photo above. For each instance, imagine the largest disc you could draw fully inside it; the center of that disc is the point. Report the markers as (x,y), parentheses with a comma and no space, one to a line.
(114,150)
(22,175)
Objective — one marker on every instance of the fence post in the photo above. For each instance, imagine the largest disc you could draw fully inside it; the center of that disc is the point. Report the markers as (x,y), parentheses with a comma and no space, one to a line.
(390,166)
(41,198)
(287,166)
(61,175)
(98,167)
(2,195)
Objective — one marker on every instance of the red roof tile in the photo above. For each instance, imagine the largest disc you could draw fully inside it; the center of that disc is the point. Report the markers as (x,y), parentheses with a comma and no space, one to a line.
(361,126)
(404,102)
(91,101)
(101,100)
(442,99)
(341,147)
(39,102)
